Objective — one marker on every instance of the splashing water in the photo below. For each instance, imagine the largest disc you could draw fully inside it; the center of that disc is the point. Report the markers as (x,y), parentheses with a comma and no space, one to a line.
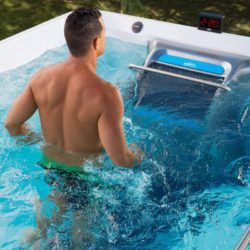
(191,190)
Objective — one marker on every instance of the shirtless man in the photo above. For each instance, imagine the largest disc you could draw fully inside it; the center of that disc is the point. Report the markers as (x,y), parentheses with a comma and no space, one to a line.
(80,113)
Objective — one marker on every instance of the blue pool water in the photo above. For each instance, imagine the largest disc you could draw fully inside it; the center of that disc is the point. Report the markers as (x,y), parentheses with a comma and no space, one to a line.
(190,192)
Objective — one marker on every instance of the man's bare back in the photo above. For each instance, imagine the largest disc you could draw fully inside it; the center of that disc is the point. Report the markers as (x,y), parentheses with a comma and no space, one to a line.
(80,113)
(70,101)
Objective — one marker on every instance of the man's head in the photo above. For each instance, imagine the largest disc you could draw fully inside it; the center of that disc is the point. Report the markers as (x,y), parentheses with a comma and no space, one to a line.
(85,32)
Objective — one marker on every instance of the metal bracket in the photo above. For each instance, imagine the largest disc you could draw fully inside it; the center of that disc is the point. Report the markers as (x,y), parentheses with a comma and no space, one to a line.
(189,78)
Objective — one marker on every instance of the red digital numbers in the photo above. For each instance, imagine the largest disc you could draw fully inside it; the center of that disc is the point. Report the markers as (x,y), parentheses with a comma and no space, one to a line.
(203,21)
(210,23)
(213,23)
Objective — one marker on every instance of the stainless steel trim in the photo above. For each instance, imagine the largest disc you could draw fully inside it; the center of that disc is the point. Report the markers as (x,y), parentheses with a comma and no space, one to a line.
(245,241)
(216,85)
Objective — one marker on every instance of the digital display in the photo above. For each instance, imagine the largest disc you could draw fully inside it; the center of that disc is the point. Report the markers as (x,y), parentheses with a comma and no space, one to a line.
(210,22)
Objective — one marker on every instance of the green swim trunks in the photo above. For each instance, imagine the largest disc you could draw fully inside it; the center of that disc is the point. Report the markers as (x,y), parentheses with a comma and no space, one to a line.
(52,164)
(79,171)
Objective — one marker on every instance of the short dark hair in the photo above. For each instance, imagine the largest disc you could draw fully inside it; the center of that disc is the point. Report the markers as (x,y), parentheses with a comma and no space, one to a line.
(81,27)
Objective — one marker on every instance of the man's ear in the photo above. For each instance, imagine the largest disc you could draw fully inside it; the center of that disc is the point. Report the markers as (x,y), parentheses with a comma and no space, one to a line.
(96,43)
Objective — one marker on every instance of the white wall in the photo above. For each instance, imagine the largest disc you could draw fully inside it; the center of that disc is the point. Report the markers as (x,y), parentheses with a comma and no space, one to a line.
(25,46)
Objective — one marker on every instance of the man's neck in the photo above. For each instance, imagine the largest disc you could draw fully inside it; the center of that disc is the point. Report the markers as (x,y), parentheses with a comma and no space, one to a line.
(90,61)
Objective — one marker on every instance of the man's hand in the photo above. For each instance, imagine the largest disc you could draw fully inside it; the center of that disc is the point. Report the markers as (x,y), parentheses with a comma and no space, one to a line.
(16,130)
(139,154)
(31,137)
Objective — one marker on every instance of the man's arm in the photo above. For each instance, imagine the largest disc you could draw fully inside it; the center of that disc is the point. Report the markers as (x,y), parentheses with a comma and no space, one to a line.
(23,108)
(111,130)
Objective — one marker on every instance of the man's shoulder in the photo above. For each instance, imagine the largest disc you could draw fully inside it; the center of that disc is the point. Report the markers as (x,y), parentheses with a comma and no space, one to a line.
(110,91)
(40,74)
(111,96)
(43,75)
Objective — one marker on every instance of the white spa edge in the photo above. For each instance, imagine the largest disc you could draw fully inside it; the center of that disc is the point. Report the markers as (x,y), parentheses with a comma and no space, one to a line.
(30,44)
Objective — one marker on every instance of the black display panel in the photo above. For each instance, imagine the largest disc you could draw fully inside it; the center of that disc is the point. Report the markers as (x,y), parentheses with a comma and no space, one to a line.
(210,22)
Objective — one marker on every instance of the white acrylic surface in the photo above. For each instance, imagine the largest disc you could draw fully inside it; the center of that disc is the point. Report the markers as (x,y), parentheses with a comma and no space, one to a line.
(26,46)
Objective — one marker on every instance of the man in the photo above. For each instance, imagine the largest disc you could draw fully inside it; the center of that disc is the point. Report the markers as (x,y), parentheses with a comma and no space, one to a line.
(80,113)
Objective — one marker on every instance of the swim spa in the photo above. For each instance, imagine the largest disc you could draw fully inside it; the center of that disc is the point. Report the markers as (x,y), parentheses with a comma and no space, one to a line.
(192,189)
